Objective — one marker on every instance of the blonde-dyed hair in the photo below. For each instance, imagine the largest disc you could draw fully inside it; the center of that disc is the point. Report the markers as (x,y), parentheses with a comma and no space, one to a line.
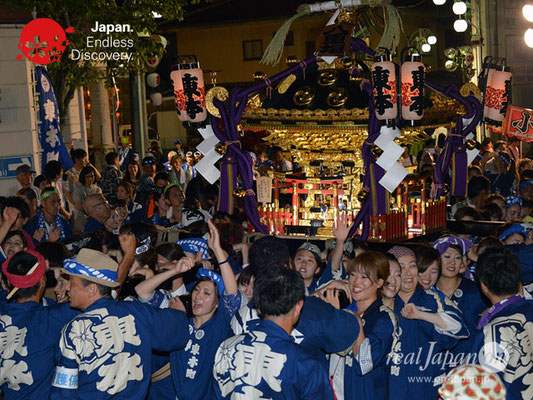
(372,263)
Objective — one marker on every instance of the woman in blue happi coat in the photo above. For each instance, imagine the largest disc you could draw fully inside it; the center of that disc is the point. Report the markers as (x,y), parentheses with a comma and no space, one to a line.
(428,326)
(366,374)
(214,300)
(465,293)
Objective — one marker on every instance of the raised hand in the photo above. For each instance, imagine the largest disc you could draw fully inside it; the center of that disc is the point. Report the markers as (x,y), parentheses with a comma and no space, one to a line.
(213,237)
(183,265)
(342,229)
(10,215)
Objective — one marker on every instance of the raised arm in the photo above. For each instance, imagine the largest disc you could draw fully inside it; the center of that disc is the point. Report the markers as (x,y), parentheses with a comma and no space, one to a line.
(145,289)
(213,241)
(10,216)
(127,244)
(341,233)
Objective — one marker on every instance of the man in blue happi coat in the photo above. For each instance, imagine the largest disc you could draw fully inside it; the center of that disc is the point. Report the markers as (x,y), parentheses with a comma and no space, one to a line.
(266,363)
(106,351)
(504,334)
(29,331)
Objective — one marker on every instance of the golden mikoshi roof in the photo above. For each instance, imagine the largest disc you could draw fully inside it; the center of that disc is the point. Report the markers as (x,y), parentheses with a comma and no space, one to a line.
(326,110)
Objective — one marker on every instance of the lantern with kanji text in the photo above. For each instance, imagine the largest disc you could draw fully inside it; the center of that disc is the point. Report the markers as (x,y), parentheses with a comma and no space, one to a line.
(384,83)
(413,72)
(498,93)
(189,90)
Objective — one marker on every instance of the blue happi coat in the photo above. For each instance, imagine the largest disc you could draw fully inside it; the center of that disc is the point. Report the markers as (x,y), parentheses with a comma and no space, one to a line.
(321,328)
(105,353)
(509,334)
(418,356)
(29,335)
(367,375)
(265,363)
(192,367)
(472,303)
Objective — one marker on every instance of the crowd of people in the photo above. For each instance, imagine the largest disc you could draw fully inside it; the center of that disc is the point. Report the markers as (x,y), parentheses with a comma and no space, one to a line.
(126,283)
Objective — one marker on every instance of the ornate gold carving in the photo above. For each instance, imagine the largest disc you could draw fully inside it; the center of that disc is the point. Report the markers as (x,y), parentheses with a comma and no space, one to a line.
(327,78)
(286,83)
(302,97)
(219,93)
(470,88)
(337,98)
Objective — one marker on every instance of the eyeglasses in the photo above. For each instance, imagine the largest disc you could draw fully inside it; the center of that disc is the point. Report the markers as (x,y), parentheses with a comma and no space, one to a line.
(102,203)
(148,162)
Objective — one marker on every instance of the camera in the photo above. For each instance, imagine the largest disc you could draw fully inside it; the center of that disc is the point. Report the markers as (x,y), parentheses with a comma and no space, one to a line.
(343,298)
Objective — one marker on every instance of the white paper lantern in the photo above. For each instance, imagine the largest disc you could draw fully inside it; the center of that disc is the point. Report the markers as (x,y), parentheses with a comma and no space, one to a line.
(527,12)
(153,80)
(460,25)
(528,37)
(156,99)
(459,8)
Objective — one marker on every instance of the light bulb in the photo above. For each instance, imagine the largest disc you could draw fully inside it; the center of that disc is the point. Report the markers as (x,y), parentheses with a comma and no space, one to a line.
(450,53)
(460,25)
(432,39)
(439,2)
(156,15)
(426,47)
(450,65)
(527,11)
(459,7)
(528,37)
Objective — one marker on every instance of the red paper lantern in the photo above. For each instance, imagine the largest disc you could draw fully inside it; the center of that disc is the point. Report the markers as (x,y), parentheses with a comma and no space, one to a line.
(413,72)
(179,95)
(384,82)
(497,94)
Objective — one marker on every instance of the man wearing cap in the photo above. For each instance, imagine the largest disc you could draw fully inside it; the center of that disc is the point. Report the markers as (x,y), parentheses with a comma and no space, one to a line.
(24,179)
(29,331)
(188,166)
(48,225)
(106,351)
(98,209)
(178,143)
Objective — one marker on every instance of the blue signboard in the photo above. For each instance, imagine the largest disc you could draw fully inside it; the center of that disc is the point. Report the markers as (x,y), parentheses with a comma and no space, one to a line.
(9,165)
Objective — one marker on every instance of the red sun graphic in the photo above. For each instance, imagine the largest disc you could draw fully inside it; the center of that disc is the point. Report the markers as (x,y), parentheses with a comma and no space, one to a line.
(43,41)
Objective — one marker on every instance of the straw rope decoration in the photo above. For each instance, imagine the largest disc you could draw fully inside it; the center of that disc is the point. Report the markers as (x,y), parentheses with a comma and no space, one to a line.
(391,33)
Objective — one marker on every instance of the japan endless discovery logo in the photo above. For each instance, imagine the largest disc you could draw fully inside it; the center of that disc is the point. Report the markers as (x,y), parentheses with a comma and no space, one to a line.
(43,41)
